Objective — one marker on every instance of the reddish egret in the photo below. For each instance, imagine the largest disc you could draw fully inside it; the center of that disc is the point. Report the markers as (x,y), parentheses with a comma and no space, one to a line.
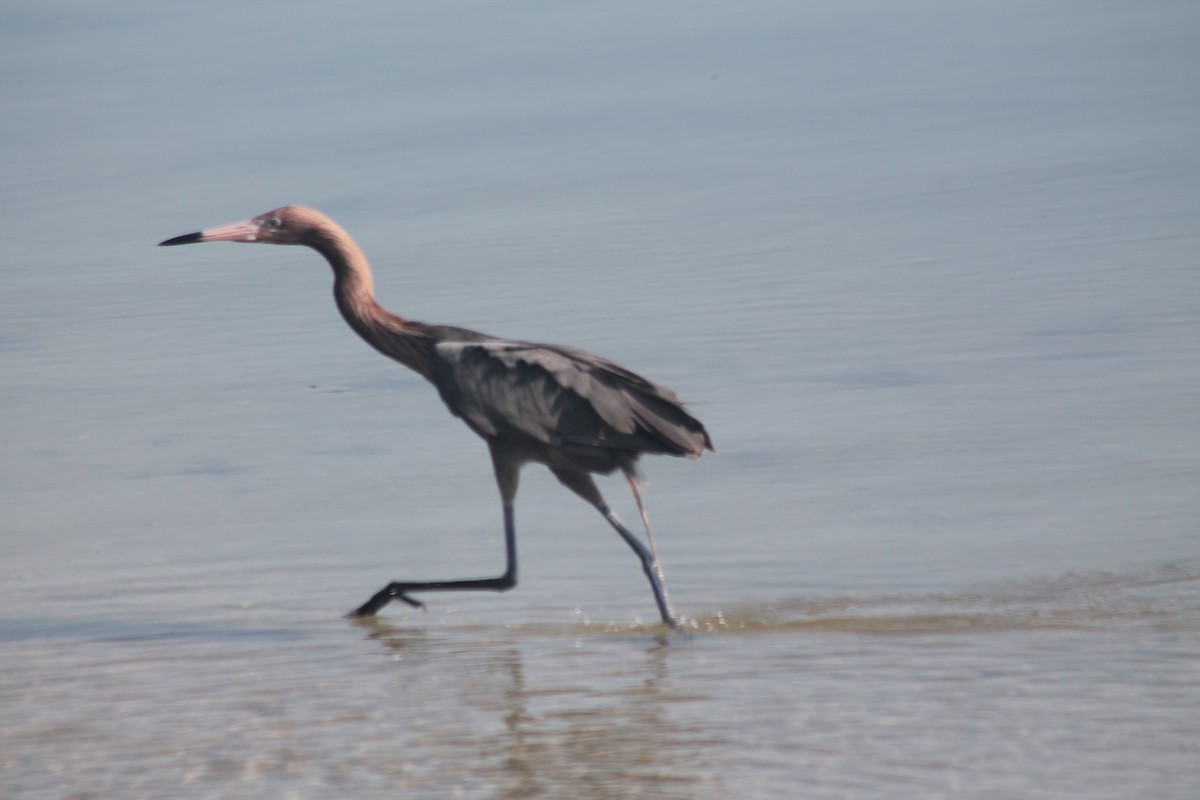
(573,411)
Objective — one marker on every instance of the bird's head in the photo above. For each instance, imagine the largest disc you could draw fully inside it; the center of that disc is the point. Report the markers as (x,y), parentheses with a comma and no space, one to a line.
(286,225)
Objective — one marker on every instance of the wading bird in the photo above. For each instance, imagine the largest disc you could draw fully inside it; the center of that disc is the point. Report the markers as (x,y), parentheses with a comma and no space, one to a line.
(570,410)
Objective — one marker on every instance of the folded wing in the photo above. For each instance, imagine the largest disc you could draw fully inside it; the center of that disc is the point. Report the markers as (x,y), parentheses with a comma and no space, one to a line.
(558,395)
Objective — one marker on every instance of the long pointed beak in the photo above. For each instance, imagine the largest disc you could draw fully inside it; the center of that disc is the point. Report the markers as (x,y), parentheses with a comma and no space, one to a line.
(237,232)
(187,238)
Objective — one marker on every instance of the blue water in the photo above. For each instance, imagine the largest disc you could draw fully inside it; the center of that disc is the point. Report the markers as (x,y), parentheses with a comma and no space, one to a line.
(926,271)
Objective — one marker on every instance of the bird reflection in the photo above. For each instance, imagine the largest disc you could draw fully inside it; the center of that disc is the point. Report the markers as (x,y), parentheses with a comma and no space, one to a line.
(526,717)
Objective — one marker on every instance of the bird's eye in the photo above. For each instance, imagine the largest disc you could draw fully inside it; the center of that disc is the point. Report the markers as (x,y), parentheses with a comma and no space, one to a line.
(274,222)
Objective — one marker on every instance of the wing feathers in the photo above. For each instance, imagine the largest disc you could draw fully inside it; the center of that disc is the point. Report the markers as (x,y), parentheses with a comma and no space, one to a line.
(557,394)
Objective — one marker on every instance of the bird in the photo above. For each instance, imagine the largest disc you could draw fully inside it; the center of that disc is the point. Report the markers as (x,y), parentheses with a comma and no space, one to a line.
(574,412)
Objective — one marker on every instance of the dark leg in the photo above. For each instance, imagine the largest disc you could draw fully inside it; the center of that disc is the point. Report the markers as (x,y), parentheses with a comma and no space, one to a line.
(582,484)
(398,590)
(506,477)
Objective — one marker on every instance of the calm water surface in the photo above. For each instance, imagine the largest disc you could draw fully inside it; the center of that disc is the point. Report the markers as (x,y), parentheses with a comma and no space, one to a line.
(926,271)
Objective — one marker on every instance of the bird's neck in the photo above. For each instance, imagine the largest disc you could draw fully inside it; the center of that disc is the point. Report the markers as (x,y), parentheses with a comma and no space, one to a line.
(406,341)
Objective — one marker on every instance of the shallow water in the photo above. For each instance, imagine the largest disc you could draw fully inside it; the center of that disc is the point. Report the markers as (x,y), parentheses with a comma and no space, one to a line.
(1084,685)
(926,272)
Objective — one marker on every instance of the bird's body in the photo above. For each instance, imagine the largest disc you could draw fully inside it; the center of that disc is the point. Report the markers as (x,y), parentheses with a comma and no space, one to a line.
(572,411)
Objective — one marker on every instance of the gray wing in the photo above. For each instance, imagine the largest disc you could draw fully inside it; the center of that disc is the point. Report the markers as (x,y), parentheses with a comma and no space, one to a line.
(558,395)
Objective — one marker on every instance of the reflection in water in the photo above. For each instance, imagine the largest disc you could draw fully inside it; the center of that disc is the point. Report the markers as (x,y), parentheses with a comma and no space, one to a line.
(605,726)
(958,693)
(532,710)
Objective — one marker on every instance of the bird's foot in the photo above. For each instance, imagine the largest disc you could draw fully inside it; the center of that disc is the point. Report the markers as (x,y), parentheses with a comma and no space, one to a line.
(393,591)
(398,594)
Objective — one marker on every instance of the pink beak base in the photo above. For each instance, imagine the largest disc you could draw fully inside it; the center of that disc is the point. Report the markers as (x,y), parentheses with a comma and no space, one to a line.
(237,232)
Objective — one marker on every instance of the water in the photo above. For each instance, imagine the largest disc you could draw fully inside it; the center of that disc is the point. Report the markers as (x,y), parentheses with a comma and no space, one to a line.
(926,271)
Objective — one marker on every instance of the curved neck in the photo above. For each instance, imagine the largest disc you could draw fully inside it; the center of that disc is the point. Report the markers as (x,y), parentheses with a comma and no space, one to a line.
(353,286)
(346,258)
(353,290)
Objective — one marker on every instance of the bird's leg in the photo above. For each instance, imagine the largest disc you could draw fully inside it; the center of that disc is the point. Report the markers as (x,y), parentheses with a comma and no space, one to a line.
(631,477)
(398,590)
(582,484)
(650,566)
(507,470)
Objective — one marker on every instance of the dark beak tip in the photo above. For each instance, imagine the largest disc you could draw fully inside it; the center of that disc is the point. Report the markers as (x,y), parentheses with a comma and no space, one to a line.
(187,238)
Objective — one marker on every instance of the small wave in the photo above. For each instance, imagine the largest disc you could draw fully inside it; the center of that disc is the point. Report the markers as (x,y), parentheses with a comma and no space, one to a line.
(1163,597)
